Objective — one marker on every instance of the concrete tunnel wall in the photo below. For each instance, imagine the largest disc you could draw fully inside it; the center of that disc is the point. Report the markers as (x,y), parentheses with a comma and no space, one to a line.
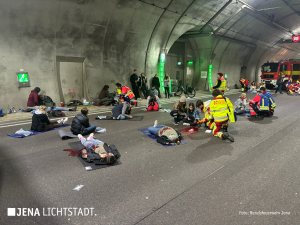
(114,36)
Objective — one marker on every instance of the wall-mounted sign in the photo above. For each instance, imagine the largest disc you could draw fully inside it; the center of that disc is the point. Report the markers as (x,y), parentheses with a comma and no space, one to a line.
(190,62)
(203,74)
(23,79)
(296,38)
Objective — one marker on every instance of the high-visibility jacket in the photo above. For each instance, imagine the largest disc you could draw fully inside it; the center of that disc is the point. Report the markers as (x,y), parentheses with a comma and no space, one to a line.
(242,81)
(272,103)
(206,109)
(264,103)
(221,109)
(223,84)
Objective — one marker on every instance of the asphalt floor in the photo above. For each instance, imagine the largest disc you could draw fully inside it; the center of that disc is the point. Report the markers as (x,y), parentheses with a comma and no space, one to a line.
(254,180)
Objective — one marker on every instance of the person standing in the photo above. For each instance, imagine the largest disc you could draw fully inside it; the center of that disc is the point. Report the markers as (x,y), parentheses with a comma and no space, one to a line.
(134,83)
(279,83)
(167,85)
(143,83)
(156,84)
(221,83)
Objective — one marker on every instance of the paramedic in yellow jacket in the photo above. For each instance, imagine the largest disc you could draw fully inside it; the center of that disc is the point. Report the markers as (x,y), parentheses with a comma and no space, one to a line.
(221,83)
(204,107)
(221,111)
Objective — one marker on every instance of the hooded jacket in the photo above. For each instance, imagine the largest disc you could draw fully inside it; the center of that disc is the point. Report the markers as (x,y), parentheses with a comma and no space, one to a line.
(79,125)
(33,99)
(47,101)
(39,121)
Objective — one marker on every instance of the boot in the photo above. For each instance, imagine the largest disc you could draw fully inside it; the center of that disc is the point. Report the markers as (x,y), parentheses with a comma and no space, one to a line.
(225,129)
(227,136)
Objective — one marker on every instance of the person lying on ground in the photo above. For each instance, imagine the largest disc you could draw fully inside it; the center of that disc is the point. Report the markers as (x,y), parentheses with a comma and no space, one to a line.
(165,135)
(192,116)
(259,106)
(94,150)
(122,111)
(41,122)
(81,124)
(33,99)
(179,110)
(240,105)
(47,101)
(153,103)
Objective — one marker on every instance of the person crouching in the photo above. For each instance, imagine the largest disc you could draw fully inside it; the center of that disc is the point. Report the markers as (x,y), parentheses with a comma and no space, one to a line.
(153,103)
(192,116)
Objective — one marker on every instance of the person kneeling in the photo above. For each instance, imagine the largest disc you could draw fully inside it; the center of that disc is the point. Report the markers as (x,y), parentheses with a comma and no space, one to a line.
(153,103)
(240,105)
(95,150)
(165,135)
(40,120)
(192,116)
(122,111)
(259,106)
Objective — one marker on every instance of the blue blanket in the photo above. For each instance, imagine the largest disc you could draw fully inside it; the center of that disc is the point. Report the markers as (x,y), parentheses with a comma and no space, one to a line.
(34,132)
(152,136)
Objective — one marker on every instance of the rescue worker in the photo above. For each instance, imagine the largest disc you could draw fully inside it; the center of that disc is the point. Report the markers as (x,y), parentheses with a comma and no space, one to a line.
(124,92)
(221,83)
(259,105)
(272,103)
(242,81)
(221,111)
(205,108)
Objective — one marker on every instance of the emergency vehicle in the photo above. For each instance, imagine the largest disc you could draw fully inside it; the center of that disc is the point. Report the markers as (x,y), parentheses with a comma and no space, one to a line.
(270,72)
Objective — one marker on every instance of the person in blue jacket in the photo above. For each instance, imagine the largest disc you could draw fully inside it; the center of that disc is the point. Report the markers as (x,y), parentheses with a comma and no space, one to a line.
(192,116)
(272,103)
(122,111)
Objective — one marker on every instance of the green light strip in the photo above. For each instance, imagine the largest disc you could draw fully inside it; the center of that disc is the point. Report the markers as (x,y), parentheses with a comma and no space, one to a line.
(210,76)
(161,75)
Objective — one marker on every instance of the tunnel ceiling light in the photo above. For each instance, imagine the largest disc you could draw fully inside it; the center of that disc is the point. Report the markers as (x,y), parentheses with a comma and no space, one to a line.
(296,38)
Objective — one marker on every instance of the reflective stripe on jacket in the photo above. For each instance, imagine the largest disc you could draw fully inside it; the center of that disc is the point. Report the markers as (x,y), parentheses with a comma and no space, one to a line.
(264,103)
(223,84)
(272,103)
(221,109)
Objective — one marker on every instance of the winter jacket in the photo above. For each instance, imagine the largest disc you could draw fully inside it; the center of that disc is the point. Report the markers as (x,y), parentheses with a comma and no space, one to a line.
(155,99)
(121,109)
(175,107)
(163,134)
(143,81)
(240,103)
(39,121)
(167,82)
(195,115)
(47,101)
(154,91)
(33,99)
(104,94)
(279,80)
(155,82)
(79,125)
(272,103)
(133,78)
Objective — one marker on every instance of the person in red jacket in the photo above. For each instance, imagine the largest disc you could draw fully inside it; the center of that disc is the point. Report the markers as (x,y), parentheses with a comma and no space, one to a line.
(246,85)
(33,99)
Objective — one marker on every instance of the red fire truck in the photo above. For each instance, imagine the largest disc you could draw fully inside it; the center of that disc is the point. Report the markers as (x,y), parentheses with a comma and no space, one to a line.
(270,72)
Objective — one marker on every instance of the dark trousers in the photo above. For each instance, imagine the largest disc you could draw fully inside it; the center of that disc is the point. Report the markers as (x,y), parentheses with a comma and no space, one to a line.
(192,122)
(52,125)
(279,88)
(167,93)
(158,89)
(144,91)
(135,90)
(176,116)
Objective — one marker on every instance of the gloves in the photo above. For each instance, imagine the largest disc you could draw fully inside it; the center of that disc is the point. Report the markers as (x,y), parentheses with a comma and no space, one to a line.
(202,121)
(211,88)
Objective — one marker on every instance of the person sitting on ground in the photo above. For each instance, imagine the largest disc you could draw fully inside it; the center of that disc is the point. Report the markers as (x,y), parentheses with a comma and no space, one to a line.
(153,103)
(95,150)
(192,116)
(122,111)
(154,91)
(252,88)
(81,124)
(221,111)
(165,135)
(104,96)
(47,101)
(259,106)
(41,122)
(33,99)
(272,104)
(240,105)
(179,109)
